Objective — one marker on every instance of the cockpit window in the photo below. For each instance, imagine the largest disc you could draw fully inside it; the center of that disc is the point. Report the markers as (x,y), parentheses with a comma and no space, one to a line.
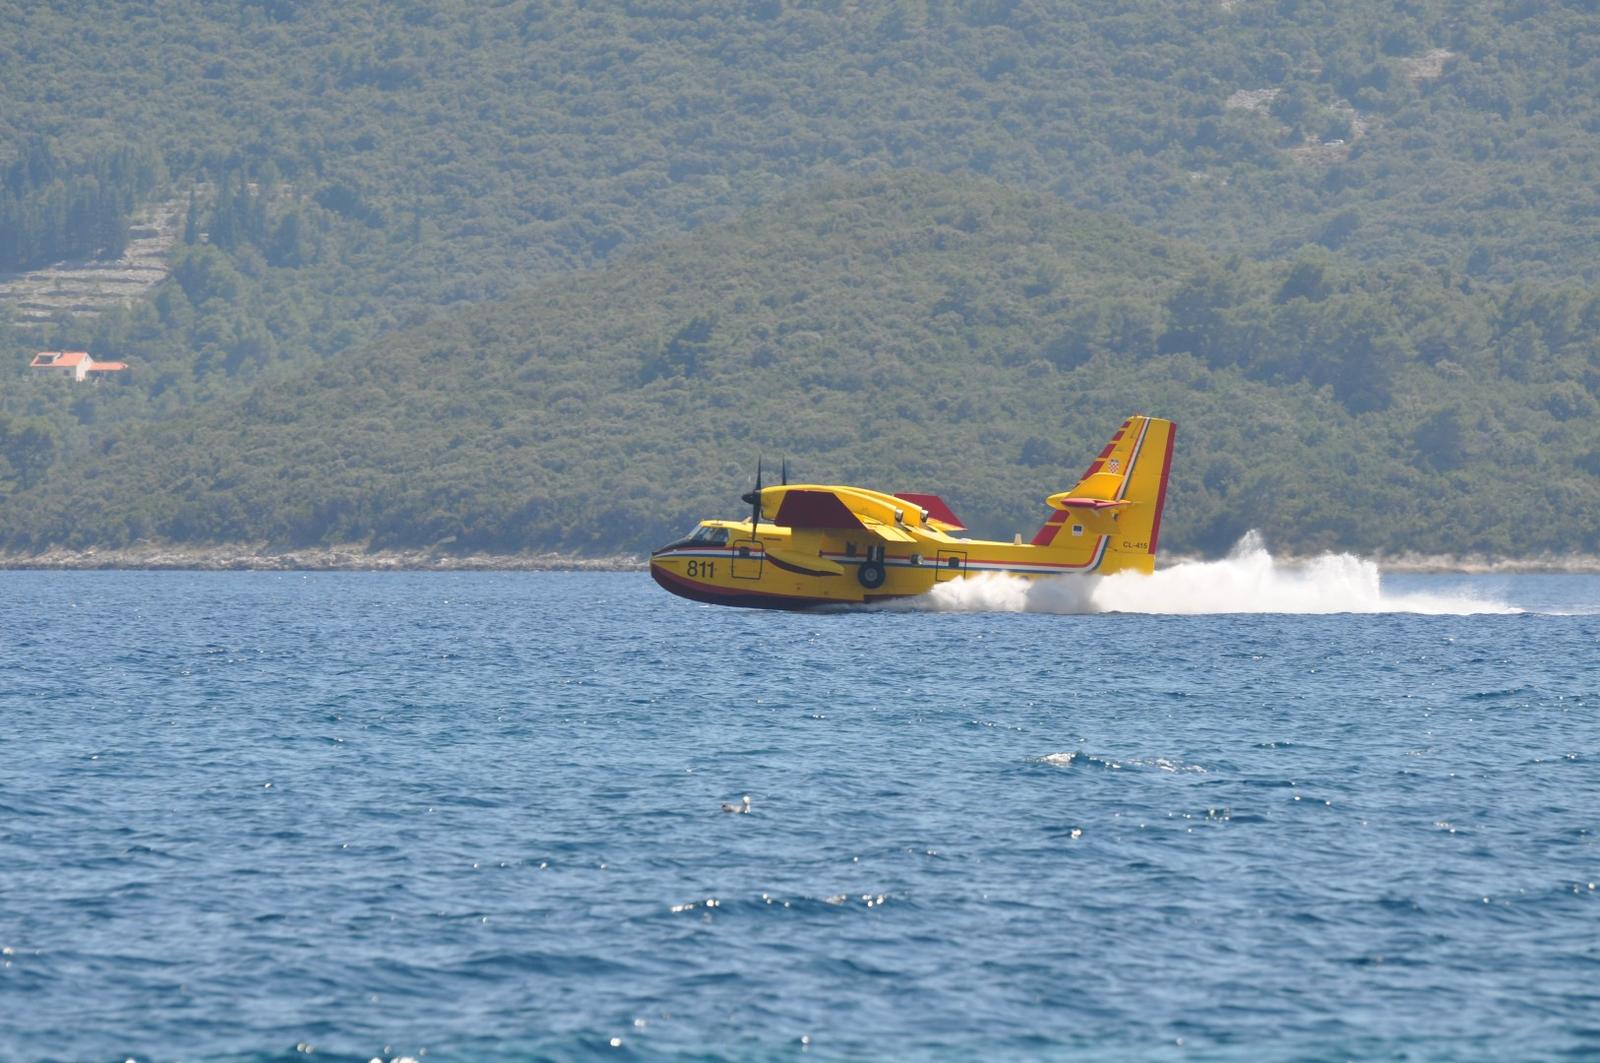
(714,536)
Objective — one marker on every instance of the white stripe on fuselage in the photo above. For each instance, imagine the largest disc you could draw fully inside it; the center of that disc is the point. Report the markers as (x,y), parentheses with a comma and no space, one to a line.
(1020,568)
(1034,568)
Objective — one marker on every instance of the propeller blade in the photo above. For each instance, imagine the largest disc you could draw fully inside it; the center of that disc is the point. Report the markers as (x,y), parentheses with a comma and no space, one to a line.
(786,470)
(755,500)
(749,495)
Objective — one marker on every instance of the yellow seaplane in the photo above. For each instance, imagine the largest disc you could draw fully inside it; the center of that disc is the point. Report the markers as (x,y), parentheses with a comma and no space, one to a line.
(808,545)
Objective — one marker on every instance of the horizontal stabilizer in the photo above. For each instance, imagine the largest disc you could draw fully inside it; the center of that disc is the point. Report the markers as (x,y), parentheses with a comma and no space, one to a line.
(938,510)
(1067,500)
(1098,485)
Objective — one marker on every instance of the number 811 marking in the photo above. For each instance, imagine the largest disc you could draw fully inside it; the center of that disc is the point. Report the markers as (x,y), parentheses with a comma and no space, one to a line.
(702,569)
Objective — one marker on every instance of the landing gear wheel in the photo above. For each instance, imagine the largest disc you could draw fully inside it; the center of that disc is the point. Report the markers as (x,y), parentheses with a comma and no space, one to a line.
(870,574)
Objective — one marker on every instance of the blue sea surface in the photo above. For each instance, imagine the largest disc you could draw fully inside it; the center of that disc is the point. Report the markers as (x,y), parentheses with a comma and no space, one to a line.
(479,816)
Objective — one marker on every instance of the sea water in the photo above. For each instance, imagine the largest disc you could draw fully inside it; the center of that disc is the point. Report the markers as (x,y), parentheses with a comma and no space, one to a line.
(1237,811)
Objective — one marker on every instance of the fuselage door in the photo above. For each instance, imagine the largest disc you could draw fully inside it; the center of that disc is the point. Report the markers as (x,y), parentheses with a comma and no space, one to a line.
(748,557)
(952,565)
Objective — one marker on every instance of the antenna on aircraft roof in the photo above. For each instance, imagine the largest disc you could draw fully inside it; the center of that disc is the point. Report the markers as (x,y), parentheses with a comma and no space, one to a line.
(786,470)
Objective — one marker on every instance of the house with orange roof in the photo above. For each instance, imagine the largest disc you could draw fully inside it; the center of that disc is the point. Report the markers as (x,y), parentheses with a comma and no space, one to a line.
(75,364)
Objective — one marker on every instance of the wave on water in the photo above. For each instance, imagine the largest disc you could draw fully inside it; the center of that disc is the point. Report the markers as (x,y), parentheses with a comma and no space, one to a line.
(1248,580)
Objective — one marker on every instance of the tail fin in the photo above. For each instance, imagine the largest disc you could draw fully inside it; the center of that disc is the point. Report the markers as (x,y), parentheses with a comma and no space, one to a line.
(1113,514)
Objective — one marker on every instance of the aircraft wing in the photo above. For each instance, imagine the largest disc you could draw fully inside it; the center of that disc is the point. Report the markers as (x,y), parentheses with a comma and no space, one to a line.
(815,509)
(825,509)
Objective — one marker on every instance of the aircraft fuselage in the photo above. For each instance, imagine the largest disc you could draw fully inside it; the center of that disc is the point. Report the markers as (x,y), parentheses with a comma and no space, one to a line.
(771,570)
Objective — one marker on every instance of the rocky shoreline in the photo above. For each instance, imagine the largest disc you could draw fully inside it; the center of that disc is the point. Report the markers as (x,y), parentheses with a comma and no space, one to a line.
(1443,564)
(1474,565)
(346,558)
(357,558)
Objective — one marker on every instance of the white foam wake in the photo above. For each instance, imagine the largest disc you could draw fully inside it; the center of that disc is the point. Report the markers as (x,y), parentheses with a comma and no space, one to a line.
(1248,580)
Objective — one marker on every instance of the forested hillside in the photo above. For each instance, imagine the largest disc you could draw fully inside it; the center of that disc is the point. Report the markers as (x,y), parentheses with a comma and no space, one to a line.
(404,156)
(354,169)
(920,333)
